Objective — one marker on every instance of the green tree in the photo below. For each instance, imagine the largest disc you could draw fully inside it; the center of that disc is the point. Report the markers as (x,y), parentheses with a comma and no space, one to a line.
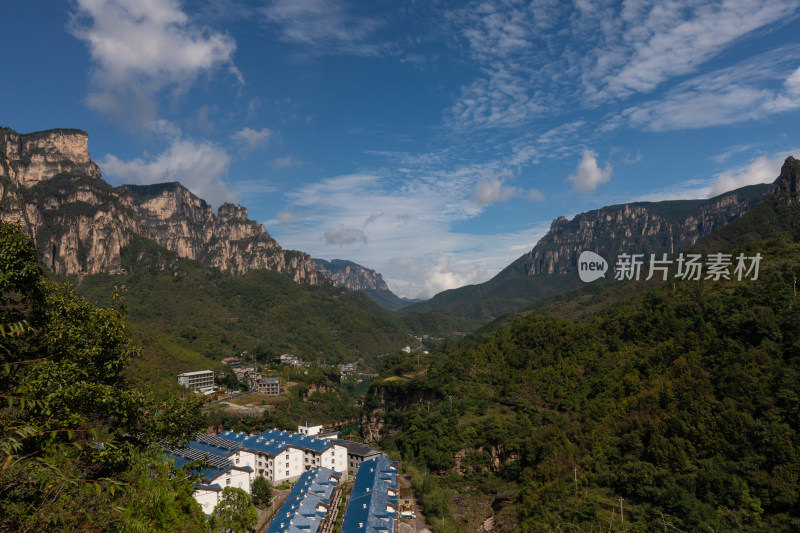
(235,512)
(73,434)
(261,490)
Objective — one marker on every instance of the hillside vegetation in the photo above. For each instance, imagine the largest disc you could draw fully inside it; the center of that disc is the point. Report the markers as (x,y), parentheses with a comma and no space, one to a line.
(677,406)
(182,310)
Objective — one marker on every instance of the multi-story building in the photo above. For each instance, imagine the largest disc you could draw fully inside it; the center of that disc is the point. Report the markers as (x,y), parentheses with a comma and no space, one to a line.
(274,459)
(202,379)
(271,386)
(357,453)
(306,508)
(317,452)
(221,473)
(373,505)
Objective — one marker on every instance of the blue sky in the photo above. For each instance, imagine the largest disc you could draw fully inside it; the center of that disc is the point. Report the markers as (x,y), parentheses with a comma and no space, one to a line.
(432,141)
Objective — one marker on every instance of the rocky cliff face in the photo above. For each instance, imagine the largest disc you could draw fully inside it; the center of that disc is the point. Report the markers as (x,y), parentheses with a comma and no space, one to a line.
(642,227)
(787,187)
(351,275)
(80,224)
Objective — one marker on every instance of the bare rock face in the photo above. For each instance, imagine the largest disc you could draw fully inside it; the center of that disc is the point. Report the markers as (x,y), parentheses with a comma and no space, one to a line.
(788,184)
(653,227)
(351,275)
(80,224)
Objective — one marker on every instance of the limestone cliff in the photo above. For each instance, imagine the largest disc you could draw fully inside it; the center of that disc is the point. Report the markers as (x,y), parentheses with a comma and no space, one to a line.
(641,227)
(79,223)
(635,228)
(351,275)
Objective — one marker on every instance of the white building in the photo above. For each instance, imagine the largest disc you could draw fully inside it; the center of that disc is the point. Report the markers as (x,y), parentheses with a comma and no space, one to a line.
(222,473)
(276,460)
(309,429)
(202,379)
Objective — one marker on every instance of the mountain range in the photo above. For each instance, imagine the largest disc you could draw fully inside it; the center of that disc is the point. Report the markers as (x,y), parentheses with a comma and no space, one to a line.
(80,224)
(665,227)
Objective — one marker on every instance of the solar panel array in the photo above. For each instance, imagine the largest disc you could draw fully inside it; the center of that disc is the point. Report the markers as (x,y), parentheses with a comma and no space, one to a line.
(196,455)
(225,444)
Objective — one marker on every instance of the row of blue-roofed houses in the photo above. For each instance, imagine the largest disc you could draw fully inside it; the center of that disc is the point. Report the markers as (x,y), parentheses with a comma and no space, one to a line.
(373,504)
(371,508)
(317,465)
(237,458)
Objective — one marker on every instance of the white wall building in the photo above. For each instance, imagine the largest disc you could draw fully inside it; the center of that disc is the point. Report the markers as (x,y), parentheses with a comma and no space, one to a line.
(202,379)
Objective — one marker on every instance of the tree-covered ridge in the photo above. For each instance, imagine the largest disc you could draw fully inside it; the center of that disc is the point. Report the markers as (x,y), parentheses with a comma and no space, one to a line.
(184,306)
(78,444)
(684,401)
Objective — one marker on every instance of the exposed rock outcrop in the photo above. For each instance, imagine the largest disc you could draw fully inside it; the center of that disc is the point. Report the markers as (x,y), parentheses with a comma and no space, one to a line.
(351,275)
(80,224)
(787,187)
(642,227)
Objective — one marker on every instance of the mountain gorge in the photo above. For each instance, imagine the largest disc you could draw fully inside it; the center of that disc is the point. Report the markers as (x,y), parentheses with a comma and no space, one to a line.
(358,278)
(79,223)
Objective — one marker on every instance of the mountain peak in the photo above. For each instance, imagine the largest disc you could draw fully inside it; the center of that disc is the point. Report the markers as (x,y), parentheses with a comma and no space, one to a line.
(787,186)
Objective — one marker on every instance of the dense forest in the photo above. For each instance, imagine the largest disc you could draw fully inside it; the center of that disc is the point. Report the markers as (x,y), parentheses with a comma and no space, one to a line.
(676,408)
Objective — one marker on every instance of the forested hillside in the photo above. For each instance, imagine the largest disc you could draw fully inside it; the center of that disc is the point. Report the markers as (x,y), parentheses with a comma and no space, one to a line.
(677,408)
(186,313)
(80,447)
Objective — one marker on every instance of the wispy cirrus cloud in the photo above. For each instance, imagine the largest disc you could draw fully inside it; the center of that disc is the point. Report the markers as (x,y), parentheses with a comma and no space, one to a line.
(286,162)
(141,49)
(750,90)
(530,71)
(647,43)
(251,139)
(322,26)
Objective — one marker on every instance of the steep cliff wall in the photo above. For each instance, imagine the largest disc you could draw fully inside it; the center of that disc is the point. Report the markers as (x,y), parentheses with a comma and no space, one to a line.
(79,223)
(351,275)
(642,227)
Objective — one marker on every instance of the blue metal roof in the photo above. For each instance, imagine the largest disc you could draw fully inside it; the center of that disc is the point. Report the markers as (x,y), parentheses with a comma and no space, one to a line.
(300,441)
(299,513)
(265,445)
(208,475)
(371,508)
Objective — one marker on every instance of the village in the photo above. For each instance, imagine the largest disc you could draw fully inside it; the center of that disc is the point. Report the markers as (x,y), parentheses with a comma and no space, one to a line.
(322,483)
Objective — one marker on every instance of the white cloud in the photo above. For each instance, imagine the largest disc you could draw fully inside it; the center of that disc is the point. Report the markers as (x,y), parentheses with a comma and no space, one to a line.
(441,277)
(410,214)
(139,49)
(588,175)
(251,139)
(535,195)
(286,162)
(163,128)
(343,236)
(750,90)
(653,42)
(492,189)
(198,165)
(541,60)
(323,26)
(762,170)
